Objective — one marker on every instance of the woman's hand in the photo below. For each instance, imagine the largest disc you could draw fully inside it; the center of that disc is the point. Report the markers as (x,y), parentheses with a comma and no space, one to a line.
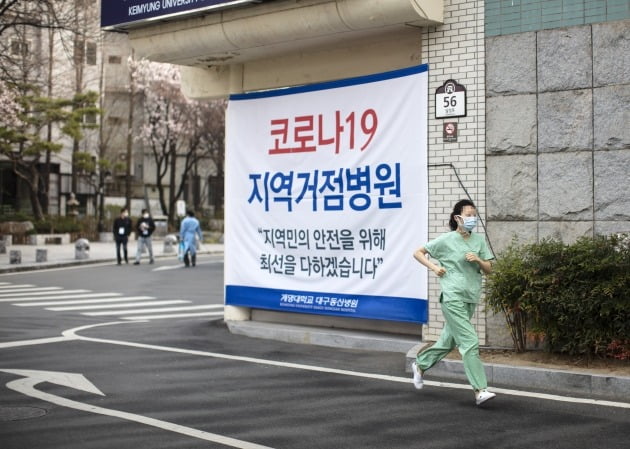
(421,256)
(472,257)
(485,265)
(439,271)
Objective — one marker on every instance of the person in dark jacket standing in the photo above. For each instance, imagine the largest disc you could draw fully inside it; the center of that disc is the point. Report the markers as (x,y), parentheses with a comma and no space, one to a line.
(121,230)
(144,229)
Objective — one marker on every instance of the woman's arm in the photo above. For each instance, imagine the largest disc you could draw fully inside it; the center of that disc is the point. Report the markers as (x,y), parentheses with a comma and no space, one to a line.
(421,256)
(485,265)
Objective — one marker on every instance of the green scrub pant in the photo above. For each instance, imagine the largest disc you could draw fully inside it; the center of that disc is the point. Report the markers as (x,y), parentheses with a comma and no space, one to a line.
(458,331)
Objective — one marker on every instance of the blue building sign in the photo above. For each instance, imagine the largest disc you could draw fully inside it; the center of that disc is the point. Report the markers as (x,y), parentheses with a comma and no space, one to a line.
(121,13)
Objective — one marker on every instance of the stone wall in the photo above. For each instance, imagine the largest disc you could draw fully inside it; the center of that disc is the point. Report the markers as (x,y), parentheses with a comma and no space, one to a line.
(558,137)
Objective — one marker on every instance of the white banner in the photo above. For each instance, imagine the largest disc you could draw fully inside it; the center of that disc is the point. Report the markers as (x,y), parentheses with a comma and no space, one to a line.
(327,197)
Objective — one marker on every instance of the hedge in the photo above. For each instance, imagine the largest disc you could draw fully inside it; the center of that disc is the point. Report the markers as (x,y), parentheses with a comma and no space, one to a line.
(576,296)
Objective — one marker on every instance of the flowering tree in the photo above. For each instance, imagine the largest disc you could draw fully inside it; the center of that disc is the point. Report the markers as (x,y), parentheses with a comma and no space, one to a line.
(37,37)
(179,132)
(9,108)
(22,140)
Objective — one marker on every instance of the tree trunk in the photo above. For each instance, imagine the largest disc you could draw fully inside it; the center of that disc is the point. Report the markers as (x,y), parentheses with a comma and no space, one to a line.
(162,196)
(171,190)
(132,92)
(33,184)
(46,189)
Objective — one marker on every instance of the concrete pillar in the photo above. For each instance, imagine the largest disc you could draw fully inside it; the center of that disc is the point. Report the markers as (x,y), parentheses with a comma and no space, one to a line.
(170,243)
(15,257)
(41,255)
(82,249)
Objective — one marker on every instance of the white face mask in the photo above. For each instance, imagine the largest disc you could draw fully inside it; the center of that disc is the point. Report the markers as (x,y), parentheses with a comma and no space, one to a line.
(469,223)
(146,215)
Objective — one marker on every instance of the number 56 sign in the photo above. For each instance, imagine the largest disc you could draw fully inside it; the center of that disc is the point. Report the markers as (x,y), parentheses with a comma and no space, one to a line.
(450,100)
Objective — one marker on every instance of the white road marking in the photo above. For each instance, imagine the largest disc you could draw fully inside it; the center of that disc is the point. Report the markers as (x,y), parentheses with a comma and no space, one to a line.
(79,301)
(53,293)
(14,291)
(58,295)
(168,267)
(10,285)
(164,309)
(177,315)
(26,386)
(72,333)
(181,265)
(38,341)
(132,304)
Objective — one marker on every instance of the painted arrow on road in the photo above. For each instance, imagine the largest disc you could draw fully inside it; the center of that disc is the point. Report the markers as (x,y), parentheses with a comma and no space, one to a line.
(31,378)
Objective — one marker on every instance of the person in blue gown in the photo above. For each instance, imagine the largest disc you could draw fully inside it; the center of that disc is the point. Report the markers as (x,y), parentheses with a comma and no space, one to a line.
(189,231)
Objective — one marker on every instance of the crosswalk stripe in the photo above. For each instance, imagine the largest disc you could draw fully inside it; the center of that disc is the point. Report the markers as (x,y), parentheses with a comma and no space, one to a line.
(177,315)
(9,285)
(13,291)
(133,304)
(164,309)
(84,295)
(57,299)
(83,301)
(19,296)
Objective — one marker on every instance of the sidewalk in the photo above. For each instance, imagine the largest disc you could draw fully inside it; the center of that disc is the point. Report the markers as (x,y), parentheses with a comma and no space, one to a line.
(65,254)
(575,383)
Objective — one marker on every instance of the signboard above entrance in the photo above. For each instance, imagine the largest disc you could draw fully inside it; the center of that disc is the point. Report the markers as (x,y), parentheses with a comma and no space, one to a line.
(122,13)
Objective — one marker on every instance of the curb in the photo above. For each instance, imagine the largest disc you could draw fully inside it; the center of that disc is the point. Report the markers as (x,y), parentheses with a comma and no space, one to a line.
(17,268)
(48,265)
(552,381)
(322,336)
(548,380)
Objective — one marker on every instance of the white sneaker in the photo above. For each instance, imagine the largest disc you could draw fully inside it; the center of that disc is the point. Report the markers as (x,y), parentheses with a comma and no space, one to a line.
(417,376)
(482,396)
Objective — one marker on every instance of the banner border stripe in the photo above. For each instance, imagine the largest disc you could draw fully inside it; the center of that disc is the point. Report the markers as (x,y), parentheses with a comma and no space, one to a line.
(408,310)
(326,85)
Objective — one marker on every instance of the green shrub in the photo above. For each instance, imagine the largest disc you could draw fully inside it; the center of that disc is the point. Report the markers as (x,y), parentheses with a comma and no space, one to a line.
(55,224)
(575,295)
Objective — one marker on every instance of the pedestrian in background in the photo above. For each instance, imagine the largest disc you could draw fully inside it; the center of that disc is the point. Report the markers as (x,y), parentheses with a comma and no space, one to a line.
(462,257)
(121,230)
(189,230)
(144,229)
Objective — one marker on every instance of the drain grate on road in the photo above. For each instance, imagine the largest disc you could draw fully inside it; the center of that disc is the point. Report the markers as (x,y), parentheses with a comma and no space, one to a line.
(21,413)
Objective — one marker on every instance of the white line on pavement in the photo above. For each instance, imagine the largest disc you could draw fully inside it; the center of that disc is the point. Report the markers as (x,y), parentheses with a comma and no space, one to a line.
(79,301)
(133,304)
(9,285)
(552,397)
(55,294)
(164,309)
(61,296)
(27,386)
(38,341)
(17,291)
(177,315)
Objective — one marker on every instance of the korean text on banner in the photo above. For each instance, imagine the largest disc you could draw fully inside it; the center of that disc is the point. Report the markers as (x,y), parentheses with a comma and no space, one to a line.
(327,197)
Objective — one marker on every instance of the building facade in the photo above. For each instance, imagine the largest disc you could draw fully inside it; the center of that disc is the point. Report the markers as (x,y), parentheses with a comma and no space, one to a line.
(55,62)
(543,149)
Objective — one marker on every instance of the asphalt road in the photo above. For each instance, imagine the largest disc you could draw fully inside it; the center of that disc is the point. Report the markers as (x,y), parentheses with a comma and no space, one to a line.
(186,382)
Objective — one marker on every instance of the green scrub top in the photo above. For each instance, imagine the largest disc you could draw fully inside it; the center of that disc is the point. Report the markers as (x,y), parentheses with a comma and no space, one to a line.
(462,280)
